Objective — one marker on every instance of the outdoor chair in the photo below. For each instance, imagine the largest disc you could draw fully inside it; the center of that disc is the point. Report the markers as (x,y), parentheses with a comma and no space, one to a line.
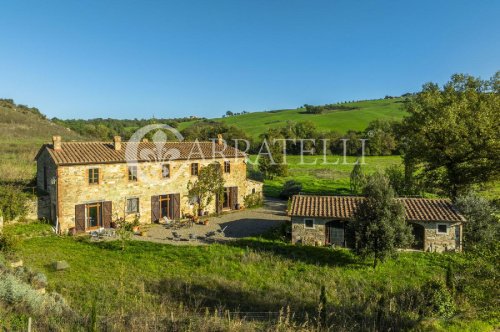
(177,237)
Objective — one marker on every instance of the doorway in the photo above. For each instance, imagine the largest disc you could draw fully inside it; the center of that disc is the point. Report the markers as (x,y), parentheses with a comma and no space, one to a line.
(94,216)
(335,233)
(418,232)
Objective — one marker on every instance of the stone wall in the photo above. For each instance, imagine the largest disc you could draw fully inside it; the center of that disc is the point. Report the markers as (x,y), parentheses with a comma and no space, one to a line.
(74,189)
(308,236)
(436,242)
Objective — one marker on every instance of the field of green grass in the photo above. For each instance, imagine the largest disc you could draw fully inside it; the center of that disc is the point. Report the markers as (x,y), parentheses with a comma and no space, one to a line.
(21,135)
(322,178)
(257,123)
(151,282)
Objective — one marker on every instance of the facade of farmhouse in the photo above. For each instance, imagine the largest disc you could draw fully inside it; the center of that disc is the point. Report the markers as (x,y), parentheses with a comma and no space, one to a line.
(323,220)
(91,184)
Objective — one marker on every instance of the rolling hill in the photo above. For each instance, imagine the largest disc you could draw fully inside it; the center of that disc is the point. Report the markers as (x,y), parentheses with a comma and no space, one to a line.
(22,131)
(338,120)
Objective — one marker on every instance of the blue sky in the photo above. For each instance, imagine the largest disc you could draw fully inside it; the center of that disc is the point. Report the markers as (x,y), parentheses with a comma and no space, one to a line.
(128,59)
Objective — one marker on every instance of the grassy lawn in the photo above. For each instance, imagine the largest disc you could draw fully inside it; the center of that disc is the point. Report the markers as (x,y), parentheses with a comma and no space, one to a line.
(257,123)
(322,178)
(248,275)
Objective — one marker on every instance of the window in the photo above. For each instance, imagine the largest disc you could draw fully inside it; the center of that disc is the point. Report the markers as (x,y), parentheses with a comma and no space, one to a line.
(165,171)
(253,190)
(227,167)
(94,176)
(308,223)
(194,169)
(442,229)
(132,173)
(132,205)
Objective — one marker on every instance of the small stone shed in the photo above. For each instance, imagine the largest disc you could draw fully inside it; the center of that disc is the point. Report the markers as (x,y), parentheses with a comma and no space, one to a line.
(322,220)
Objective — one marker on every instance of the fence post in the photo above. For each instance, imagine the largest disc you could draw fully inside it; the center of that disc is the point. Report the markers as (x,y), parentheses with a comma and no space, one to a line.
(29,324)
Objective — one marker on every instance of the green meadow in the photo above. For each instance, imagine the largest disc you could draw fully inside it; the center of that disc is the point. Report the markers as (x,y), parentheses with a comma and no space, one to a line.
(341,121)
(322,175)
(182,287)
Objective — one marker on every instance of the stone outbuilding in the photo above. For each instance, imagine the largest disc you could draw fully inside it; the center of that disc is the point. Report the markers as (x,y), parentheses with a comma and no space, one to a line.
(91,184)
(323,220)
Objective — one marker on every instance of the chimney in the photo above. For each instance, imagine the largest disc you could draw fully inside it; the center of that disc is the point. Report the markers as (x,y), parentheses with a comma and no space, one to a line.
(117,143)
(56,143)
(219,139)
(145,140)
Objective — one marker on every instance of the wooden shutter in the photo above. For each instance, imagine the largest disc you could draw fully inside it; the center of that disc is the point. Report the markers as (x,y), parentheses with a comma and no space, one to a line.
(218,205)
(80,218)
(175,199)
(155,208)
(107,214)
(234,197)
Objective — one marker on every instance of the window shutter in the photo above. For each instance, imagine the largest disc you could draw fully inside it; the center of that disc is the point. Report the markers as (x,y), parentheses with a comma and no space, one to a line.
(155,208)
(107,214)
(176,205)
(218,205)
(234,197)
(80,218)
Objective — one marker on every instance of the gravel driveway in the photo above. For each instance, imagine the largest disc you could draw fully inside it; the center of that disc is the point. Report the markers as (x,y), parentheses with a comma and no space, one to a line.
(236,224)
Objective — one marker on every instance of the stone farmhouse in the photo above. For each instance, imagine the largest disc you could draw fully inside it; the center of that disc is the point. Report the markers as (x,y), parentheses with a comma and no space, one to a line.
(322,220)
(88,185)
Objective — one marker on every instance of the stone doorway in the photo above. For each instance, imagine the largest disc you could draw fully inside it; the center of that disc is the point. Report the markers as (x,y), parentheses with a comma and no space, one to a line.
(418,232)
(335,233)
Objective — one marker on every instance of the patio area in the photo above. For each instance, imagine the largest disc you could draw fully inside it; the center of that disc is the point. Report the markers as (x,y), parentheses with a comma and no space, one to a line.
(228,226)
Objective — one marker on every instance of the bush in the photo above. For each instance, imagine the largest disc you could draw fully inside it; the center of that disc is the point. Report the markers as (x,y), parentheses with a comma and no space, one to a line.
(438,299)
(290,188)
(12,202)
(253,200)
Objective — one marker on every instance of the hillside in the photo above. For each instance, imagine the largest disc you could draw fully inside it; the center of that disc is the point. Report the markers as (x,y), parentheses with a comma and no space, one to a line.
(338,120)
(22,131)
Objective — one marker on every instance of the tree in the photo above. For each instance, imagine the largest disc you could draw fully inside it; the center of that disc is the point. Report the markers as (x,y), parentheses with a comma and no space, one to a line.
(482,227)
(379,224)
(381,138)
(210,184)
(290,188)
(357,178)
(452,133)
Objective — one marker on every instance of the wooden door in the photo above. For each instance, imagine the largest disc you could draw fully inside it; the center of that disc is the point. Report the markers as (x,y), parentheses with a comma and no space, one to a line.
(155,208)
(234,197)
(80,218)
(107,214)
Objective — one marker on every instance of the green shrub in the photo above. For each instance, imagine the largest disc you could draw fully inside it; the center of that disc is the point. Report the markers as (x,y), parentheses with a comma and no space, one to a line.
(290,188)
(438,299)
(253,200)
(12,202)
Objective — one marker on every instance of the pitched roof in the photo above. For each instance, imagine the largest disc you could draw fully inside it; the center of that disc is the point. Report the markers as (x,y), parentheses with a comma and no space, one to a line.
(77,153)
(343,207)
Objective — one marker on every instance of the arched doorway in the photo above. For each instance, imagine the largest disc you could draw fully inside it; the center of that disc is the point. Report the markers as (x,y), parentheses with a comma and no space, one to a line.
(418,232)
(335,233)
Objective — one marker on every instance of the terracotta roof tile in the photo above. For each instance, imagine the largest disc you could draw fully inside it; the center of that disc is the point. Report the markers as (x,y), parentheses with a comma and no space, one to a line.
(75,153)
(343,207)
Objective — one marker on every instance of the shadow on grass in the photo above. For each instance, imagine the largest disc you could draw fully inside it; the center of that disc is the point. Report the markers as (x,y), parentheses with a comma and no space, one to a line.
(352,313)
(305,254)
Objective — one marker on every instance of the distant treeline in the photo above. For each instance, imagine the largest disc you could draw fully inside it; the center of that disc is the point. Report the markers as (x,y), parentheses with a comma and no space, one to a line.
(9,103)
(105,129)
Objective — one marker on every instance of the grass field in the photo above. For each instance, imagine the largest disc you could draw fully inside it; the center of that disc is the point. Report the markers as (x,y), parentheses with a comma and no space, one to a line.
(252,274)
(21,135)
(257,123)
(322,178)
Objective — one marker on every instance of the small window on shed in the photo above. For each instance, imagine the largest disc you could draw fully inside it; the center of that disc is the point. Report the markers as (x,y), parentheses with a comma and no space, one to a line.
(442,229)
(308,223)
